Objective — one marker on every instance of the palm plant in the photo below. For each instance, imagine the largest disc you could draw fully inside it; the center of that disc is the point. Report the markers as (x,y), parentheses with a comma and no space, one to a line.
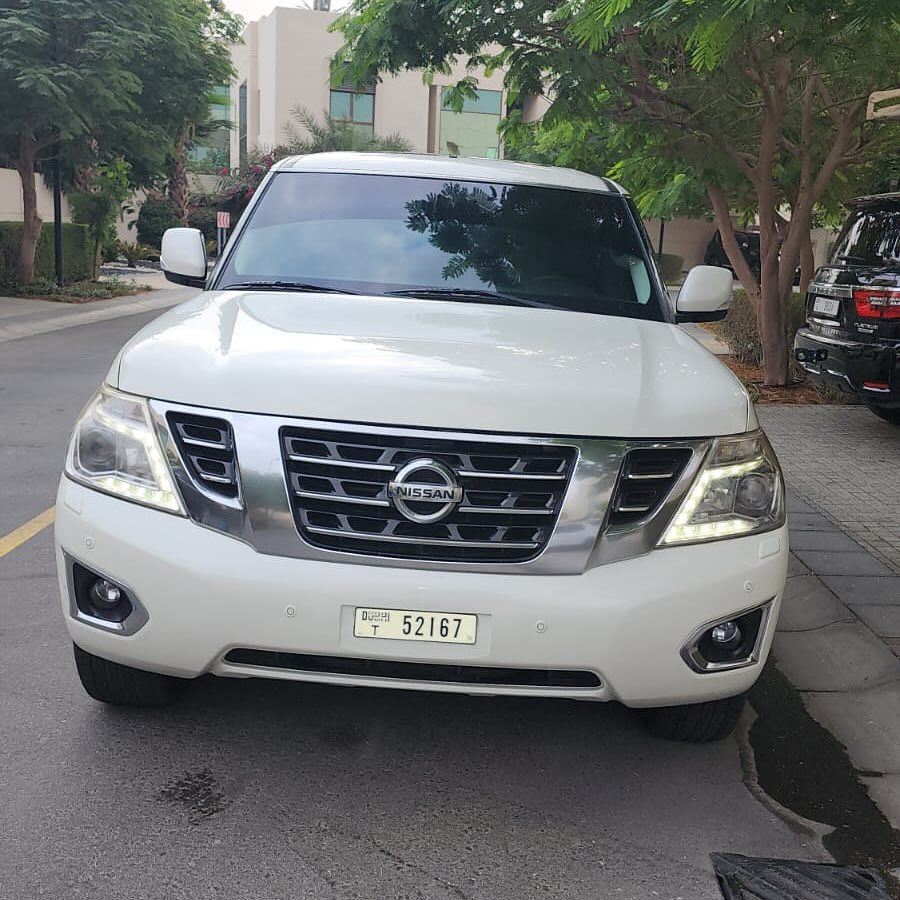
(305,133)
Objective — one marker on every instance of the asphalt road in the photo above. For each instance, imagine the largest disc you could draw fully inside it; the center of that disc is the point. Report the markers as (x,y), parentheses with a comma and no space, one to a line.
(255,789)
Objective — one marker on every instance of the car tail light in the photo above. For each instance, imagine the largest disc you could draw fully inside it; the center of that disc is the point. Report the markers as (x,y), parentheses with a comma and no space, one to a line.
(877,303)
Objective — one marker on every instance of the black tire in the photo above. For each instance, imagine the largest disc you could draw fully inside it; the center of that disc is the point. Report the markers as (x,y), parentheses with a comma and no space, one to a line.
(889,414)
(696,723)
(120,685)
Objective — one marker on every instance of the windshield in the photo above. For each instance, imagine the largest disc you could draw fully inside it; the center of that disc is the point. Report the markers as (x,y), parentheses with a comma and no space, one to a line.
(870,237)
(378,234)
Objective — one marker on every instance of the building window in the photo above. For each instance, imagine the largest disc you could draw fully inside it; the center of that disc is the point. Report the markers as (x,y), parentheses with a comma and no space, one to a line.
(242,125)
(356,108)
(210,149)
(474,130)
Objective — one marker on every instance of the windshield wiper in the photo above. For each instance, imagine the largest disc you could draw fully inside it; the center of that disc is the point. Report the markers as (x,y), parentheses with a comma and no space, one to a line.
(464,294)
(852,258)
(306,287)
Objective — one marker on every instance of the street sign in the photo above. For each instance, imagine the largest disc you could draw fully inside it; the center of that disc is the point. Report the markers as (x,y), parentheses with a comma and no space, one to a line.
(223,220)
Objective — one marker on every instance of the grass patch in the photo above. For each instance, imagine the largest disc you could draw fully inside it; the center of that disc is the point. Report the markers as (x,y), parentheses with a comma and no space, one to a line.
(78,291)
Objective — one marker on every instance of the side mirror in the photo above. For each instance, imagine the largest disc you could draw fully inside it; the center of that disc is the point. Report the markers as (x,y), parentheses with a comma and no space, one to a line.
(183,256)
(705,295)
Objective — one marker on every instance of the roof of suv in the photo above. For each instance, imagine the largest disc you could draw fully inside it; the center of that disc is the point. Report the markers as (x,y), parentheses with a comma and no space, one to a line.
(875,200)
(455,168)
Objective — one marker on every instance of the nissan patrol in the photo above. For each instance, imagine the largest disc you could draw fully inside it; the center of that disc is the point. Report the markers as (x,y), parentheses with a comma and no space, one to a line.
(432,424)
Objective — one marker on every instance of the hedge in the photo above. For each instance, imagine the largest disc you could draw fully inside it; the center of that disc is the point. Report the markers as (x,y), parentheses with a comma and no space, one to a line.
(77,251)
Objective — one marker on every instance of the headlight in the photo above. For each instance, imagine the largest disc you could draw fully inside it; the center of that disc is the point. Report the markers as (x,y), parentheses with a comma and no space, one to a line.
(114,448)
(738,491)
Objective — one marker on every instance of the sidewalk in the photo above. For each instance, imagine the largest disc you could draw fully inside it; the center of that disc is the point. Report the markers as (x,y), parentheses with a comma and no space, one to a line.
(838,638)
(23,317)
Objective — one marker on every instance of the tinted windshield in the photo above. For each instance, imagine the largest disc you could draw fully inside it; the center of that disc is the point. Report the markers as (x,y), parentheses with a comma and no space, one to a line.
(376,234)
(870,237)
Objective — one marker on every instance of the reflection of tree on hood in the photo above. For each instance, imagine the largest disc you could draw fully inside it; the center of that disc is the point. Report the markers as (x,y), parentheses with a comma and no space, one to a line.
(511,235)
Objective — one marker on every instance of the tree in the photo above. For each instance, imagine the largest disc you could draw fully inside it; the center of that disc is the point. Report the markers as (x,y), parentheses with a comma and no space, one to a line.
(106,188)
(196,47)
(105,80)
(662,188)
(763,102)
(304,133)
(65,64)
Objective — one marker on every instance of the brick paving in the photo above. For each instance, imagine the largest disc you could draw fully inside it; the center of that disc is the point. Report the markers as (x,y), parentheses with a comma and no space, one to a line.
(845,462)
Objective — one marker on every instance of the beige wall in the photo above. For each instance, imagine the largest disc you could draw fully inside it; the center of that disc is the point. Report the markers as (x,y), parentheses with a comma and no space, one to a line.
(683,237)
(285,60)
(11,198)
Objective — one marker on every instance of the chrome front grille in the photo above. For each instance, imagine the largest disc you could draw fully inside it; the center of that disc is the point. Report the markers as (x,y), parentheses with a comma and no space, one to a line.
(338,485)
(552,505)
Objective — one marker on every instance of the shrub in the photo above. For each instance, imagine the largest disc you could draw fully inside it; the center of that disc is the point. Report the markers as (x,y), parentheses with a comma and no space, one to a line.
(107,187)
(740,330)
(133,252)
(77,252)
(156,215)
(202,215)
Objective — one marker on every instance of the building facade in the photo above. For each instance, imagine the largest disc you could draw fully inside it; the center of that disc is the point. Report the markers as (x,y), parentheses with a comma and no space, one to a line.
(285,62)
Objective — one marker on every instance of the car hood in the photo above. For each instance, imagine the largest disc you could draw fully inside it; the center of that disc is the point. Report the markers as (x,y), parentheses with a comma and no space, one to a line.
(441,364)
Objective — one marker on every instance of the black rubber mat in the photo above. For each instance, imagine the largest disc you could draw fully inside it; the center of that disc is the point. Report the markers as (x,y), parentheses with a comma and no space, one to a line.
(748,878)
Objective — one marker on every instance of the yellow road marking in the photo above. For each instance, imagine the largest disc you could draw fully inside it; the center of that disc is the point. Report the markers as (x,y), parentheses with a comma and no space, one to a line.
(27,531)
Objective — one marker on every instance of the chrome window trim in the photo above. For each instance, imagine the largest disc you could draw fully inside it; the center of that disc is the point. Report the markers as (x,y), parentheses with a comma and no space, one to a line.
(262,517)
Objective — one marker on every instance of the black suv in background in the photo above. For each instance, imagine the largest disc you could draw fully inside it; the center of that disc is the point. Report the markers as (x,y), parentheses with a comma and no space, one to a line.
(852,334)
(748,241)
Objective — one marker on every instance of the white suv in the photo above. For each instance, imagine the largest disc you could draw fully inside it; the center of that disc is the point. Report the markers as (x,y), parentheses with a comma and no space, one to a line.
(431,425)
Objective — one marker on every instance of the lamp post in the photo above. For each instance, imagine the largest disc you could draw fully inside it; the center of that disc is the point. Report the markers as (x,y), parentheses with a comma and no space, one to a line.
(57,216)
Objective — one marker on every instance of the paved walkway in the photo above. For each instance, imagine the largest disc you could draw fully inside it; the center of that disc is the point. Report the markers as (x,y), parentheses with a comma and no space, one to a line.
(838,637)
(840,622)
(23,316)
(846,462)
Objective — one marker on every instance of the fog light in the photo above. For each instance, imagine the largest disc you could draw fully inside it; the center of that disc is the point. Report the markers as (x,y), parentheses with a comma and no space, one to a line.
(728,644)
(104,594)
(728,634)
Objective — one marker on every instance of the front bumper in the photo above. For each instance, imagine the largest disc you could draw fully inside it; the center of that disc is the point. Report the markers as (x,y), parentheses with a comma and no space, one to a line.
(205,594)
(853,367)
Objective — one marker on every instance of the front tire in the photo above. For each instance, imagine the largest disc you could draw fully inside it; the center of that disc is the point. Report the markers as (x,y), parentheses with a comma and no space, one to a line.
(888,413)
(696,723)
(120,685)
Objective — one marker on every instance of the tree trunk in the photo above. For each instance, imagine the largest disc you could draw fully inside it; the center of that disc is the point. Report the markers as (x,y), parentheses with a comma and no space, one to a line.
(31,221)
(807,263)
(770,317)
(178,182)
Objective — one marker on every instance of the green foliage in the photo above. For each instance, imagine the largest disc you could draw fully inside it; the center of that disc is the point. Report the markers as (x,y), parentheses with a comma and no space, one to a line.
(739,329)
(77,252)
(304,133)
(80,291)
(97,205)
(104,80)
(202,215)
(661,187)
(134,252)
(157,213)
(67,64)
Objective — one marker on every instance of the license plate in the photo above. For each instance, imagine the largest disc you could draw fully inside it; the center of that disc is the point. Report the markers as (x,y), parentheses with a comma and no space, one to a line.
(827,305)
(412,625)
